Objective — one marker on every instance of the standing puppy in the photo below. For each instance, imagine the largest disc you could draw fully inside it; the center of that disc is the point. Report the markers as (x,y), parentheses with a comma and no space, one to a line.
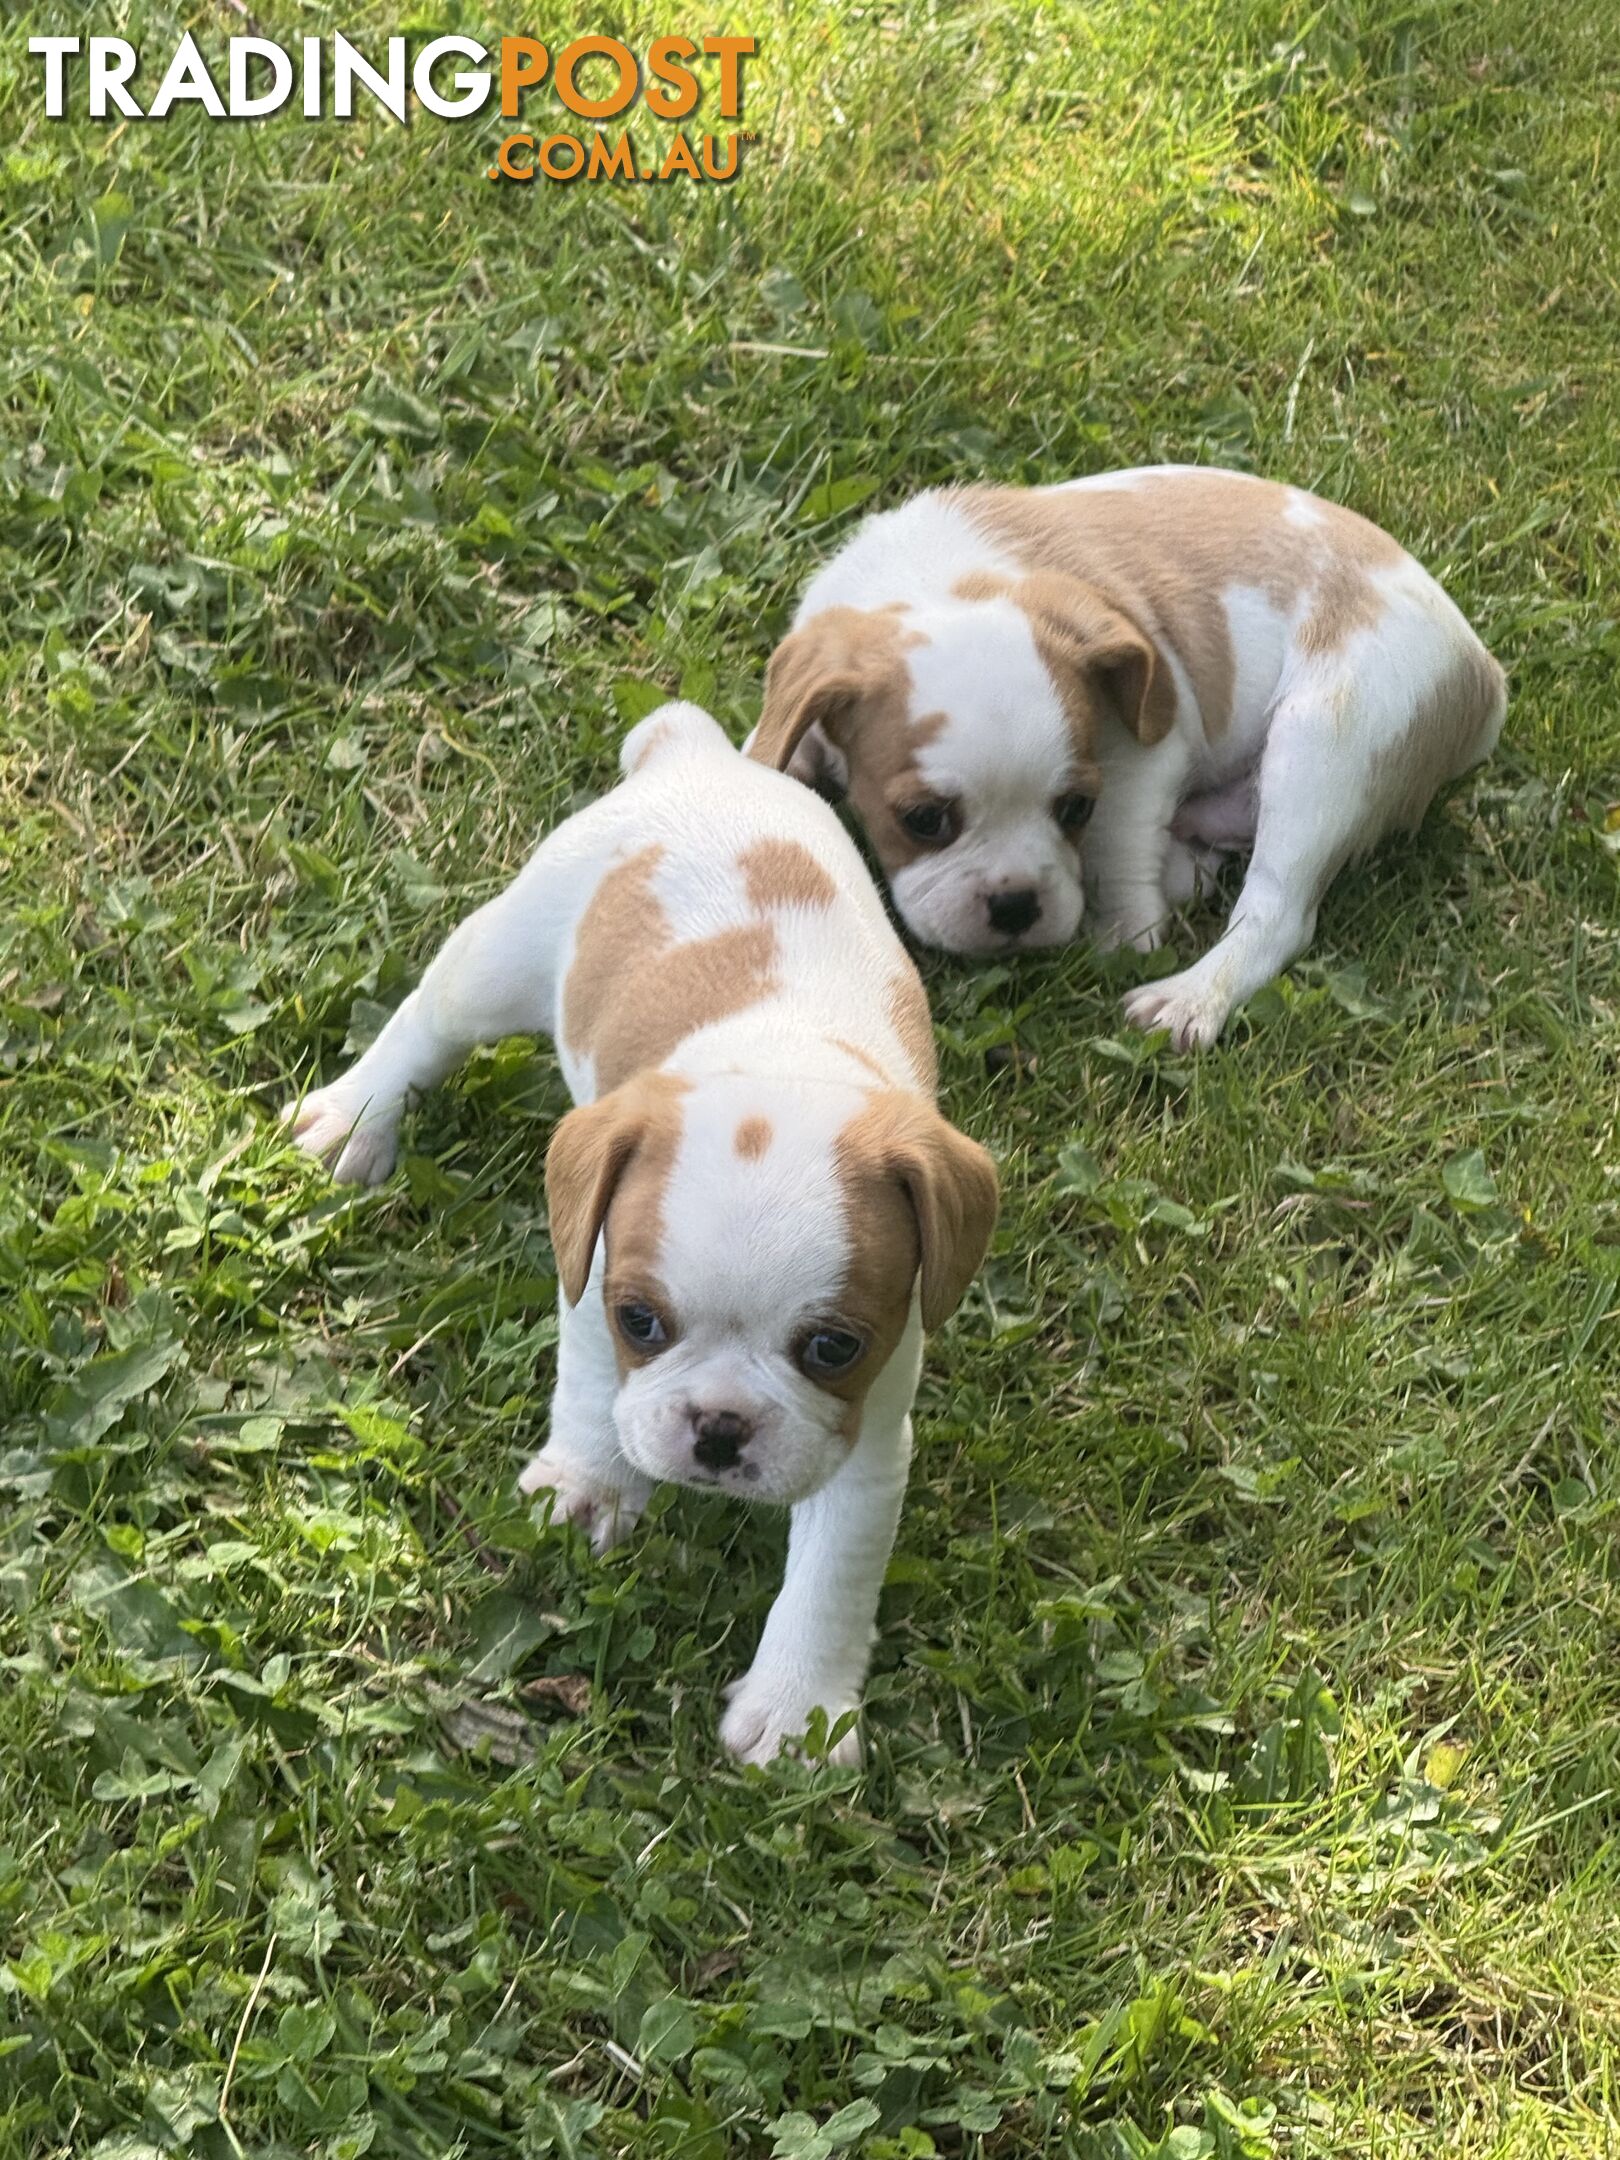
(1210,660)
(756,1208)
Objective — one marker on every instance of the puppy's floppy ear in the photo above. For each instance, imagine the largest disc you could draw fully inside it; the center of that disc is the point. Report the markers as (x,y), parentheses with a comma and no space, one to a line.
(1081,635)
(951,1183)
(589,1154)
(816,677)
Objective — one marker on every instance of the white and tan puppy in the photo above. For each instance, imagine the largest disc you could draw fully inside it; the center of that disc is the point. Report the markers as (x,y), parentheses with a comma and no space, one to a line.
(756,1208)
(1213,660)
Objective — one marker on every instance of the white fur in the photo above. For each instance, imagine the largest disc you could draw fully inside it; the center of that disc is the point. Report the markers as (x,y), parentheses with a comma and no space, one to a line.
(1008,841)
(752,1249)
(913,555)
(1316,750)
(1293,772)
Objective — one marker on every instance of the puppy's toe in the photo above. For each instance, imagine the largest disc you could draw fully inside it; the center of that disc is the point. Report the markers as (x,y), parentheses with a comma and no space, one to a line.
(767,1716)
(1194,1012)
(606,1513)
(332,1127)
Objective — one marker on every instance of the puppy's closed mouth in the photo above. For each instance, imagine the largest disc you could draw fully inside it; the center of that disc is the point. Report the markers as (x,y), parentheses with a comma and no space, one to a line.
(743,1473)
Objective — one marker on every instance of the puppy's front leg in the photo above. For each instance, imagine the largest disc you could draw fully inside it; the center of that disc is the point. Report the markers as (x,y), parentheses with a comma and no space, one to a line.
(818,1635)
(1127,845)
(595,1487)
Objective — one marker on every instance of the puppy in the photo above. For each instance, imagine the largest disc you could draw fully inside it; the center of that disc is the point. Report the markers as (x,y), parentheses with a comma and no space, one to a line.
(756,1208)
(1212,661)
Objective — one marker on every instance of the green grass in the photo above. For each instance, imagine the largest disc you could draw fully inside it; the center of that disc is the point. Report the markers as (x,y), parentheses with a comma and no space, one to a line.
(1245,1729)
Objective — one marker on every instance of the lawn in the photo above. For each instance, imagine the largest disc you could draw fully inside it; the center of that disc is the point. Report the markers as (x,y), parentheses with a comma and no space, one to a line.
(1244,1743)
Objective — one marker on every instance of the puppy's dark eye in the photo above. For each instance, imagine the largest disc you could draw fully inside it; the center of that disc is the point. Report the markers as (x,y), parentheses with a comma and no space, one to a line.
(640,1326)
(829,1352)
(932,822)
(1072,811)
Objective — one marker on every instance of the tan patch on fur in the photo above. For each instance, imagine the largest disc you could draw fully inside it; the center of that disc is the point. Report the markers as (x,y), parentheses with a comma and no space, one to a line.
(784,873)
(884,780)
(1450,730)
(1342,603)
(1090,651)
(913,1023)
(863,1058)
(845,672)
(842,657)
(980,585)
(1163,549)
(875,1295)
(634,1234)
(919,1202)
(606,1170)
(1149,710)
(633,994)
(752,1138)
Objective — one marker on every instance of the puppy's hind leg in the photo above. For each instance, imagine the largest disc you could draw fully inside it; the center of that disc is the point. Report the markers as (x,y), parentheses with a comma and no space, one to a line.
(493,976)
(1314,813)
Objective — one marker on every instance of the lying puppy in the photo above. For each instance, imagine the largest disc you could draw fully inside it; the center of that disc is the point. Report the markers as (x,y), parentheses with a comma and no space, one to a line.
(756,1210)
(1219,662)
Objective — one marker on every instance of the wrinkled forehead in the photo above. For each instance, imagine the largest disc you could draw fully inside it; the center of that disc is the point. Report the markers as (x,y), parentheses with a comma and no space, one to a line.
(1006,729)
(749,1219)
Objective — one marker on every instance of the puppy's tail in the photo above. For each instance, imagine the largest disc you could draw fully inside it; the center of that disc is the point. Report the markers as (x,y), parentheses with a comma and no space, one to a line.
(676,726)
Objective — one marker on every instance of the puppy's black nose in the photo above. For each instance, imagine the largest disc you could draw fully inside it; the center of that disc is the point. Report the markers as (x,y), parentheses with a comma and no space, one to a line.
(1012,913)
(721,1437)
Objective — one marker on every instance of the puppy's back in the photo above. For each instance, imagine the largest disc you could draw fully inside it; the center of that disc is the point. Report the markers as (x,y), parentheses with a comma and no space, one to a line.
(733,917)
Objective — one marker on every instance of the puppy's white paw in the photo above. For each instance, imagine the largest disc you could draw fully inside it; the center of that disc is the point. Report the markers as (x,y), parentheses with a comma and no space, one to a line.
(334,1126)
(606,1513)
(1192,1007)
(768,1712)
